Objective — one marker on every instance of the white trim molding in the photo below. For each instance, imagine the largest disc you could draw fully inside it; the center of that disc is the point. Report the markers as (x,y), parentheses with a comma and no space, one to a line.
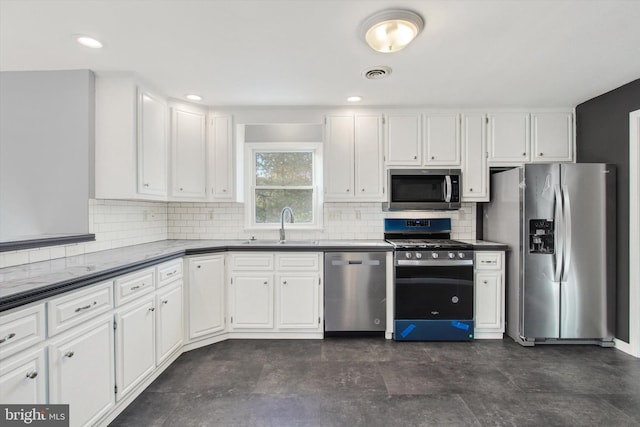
(634,235)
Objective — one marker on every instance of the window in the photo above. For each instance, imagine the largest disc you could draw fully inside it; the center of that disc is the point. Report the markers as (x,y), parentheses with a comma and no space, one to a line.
(281,175)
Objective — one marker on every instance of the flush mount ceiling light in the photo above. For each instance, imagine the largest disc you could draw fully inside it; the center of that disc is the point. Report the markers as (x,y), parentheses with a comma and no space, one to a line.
(193,97)
(391,30)
(354,98)
(87,41)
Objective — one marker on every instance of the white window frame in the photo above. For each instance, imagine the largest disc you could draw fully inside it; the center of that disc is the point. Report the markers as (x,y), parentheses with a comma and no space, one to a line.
(250,183)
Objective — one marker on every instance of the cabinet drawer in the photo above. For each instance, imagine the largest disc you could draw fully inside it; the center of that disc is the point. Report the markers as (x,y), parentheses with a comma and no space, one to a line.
(79,306)
(134,285)
(303,262)
(252,261)
(21,329)
(169,271)
(488,260)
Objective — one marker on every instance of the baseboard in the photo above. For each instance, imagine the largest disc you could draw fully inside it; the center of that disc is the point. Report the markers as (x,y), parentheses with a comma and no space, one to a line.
(625,347)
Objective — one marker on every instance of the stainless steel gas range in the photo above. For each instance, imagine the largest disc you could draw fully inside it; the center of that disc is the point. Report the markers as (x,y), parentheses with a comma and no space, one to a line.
(433,281)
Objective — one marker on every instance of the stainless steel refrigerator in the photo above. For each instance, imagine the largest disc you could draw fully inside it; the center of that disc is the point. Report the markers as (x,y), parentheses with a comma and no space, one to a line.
(559,222)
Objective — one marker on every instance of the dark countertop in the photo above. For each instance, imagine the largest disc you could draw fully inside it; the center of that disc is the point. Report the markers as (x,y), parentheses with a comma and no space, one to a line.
(27,283)
(484,245)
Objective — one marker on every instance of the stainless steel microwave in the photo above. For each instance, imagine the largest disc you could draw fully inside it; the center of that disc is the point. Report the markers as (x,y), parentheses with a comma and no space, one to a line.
(424,189)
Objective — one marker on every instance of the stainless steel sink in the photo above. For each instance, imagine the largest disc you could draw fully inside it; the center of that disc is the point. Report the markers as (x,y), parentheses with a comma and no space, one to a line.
(266,242)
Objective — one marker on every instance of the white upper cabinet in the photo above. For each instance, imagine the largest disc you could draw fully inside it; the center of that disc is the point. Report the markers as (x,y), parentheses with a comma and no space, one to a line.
(339,158)
(441,139)
(220,154)
(404,139)
(131,143)
(353,158)
(475,171)
(152,144)
(509,138)
(188,153)
(552,137)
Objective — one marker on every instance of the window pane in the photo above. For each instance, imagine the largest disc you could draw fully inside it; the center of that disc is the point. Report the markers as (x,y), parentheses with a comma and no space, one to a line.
(292,168)
(269,204)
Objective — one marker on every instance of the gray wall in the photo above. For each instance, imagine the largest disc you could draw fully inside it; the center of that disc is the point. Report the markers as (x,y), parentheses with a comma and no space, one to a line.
(46,153)
(602,135)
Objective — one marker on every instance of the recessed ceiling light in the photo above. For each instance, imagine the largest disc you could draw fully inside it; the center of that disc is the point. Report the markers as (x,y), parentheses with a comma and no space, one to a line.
(87,41)
(354,99)
(193,97)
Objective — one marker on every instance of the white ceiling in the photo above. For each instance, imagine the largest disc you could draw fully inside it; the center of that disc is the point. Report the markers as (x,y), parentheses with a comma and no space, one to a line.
(472,53)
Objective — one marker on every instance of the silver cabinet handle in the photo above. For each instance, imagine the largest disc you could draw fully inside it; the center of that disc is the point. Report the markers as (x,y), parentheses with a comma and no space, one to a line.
(69,354)
(32,374)
(174,272)
(165,301)
(152,309)
(86,307)
(7,338)
(133,288)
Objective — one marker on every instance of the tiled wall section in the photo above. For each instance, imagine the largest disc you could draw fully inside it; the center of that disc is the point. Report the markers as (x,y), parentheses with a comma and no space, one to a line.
(341,221)
(115,224)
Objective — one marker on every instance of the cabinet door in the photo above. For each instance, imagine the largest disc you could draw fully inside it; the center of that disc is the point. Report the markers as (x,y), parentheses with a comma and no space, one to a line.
(251,301)
(169,325)
(135,344)
(152,144)
(508,136)
(475,171)
(552,137)
(442,139)
(297,295)
(206,301)
(488,300)
(404,136)
(338,154)
(188,153)
(81,371)
(369,169)
(23,378)
(221,157)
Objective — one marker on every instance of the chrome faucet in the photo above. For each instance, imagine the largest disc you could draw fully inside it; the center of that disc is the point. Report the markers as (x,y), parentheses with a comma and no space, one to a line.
(284,211)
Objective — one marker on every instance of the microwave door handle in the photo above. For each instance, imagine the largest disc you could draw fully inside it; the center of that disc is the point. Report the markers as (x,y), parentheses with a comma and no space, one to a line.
(447,186)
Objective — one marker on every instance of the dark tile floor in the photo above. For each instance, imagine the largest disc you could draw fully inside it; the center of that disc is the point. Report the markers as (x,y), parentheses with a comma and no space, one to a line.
(374,382)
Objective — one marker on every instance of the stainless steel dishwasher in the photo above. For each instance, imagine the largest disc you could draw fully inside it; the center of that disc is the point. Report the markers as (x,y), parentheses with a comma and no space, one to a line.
(355,295)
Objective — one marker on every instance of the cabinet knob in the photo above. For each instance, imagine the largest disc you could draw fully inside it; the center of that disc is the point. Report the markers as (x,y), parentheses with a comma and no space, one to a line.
(165,301)
(433,157)
(181,189)
(69,354)
(266,283)
(224,190)
(146,184)
(362,190)
(471,189)
(484,281)
(348,190)
(541,154)
(415,157)
(32,374)
(284,282)
(524,154)
(7,337)
(152,309)
(198,266)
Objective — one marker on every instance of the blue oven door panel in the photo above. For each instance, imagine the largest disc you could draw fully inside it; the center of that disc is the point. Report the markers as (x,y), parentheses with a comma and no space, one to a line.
(433,330)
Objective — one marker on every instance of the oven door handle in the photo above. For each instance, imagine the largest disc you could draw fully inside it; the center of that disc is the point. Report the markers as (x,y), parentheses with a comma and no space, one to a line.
(447,188)
(443,263)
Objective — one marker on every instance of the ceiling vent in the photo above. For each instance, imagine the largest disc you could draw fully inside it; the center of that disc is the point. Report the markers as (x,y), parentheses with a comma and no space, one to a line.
(376,73)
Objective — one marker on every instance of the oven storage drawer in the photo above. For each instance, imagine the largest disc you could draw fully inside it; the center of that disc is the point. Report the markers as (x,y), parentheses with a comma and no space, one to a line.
(433,330)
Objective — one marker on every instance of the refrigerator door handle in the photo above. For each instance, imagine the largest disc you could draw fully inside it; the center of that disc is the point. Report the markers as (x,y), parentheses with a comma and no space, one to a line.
(447,186)
(559,238)
(566,202)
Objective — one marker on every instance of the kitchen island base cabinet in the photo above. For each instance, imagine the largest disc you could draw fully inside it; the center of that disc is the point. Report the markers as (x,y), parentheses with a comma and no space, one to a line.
(81,371)
(489,295)
(23,378)
(205,296)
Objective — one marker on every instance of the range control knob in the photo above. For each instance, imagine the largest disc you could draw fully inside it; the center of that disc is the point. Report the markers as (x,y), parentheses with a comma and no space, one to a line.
(408,255)
(418,255)
(434,255)
(452,255)
(461,255)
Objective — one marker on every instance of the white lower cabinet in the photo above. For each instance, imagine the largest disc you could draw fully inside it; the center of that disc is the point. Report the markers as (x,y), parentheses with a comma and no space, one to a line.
(169,321)
(489,295)
(298,300)
(81,371)
(251,297)
(135,343)
(23,378)
(205,296)
(277,292)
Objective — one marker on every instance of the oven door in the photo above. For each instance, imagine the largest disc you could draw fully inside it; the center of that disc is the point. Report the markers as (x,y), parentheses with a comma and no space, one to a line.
(434,292)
